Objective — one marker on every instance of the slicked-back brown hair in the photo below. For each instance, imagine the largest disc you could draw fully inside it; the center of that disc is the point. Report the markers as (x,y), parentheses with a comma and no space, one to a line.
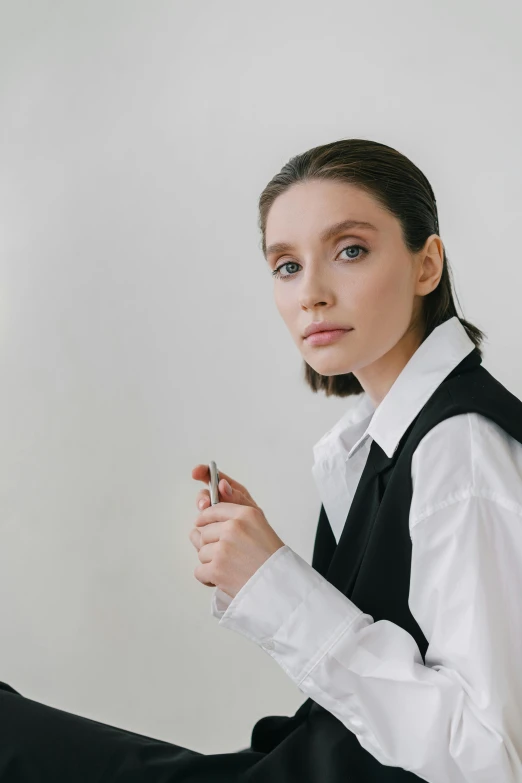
(398,186)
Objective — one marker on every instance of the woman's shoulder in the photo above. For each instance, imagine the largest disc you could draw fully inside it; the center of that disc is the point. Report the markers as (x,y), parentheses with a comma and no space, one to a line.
(467,454)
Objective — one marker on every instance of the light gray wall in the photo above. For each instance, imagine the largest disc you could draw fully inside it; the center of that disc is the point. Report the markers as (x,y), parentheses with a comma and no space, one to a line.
(138,333)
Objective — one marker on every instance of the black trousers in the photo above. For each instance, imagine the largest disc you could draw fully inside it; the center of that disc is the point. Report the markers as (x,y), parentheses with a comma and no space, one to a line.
(42,744)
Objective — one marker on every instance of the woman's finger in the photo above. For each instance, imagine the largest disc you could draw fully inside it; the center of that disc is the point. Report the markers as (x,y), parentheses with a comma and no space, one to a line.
(195,538)
(201,473)
(203,498)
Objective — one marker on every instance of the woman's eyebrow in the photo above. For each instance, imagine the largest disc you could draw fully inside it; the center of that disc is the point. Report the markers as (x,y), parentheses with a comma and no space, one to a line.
(329,233)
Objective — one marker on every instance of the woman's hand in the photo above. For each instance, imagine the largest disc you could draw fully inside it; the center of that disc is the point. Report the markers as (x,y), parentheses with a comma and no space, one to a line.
(233,537)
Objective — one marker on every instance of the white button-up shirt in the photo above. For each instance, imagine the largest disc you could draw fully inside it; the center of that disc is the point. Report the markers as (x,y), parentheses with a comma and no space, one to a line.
(458,717)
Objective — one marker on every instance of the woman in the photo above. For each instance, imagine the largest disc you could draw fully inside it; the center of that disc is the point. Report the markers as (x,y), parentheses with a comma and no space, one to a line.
(405,632)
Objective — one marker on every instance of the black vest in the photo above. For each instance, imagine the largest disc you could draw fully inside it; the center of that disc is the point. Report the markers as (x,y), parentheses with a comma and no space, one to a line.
(371,566)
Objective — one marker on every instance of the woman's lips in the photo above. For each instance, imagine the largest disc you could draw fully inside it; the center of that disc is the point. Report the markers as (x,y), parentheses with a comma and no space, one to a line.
(324,338)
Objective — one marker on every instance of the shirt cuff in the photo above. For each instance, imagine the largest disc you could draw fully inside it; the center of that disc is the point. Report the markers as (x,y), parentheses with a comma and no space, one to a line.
(290,611)
(220,603)
(221,600)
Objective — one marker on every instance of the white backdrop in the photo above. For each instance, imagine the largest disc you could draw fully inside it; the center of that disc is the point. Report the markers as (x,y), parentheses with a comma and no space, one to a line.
(138,332)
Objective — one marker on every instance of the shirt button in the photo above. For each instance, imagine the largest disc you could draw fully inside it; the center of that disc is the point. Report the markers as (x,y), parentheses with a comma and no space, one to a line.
(269,644)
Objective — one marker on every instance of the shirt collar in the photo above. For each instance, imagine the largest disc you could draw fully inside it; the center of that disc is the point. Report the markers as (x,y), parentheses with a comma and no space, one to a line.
(445,347)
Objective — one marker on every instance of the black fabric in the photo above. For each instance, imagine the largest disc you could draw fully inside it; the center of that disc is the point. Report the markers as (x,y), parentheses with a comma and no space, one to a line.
(42,744)
(370,565)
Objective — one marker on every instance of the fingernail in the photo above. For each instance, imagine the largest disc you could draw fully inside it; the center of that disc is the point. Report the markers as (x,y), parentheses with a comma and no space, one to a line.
(201,503)
(228,488)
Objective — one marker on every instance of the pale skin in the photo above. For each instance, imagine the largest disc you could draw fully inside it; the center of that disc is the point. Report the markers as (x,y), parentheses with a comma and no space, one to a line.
(375,286)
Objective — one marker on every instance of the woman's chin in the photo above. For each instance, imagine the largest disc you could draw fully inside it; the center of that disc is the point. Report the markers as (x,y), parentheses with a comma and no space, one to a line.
(328,368)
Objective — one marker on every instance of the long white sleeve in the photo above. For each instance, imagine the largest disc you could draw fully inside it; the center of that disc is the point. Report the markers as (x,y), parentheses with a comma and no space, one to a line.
(452,720)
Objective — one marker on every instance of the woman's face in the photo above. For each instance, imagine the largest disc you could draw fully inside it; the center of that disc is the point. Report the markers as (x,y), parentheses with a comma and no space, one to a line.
(361,277)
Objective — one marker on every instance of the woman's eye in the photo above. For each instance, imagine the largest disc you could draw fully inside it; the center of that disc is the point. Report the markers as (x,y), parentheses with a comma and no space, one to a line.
(353,247)
(277,272)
